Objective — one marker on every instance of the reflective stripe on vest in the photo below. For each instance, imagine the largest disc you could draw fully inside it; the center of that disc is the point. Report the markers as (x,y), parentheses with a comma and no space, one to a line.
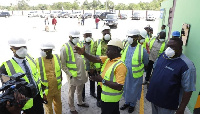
(71,62)
(12,68)
(98,53)
(137,61)
(42,71)
(80,44)
(162,48)
(108,94)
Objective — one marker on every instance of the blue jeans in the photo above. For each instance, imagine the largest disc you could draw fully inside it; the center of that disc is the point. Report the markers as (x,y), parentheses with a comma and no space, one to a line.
(131,104)
(96,25)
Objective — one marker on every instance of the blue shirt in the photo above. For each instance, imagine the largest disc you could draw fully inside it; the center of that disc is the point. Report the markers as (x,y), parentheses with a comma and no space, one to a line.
(170,78)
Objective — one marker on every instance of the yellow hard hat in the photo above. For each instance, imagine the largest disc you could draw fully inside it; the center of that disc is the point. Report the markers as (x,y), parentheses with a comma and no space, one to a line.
(116,42)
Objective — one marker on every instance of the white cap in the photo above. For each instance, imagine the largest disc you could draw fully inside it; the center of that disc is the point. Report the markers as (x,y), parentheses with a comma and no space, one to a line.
(87,31)
(105,28)
(143,33)
(17,42)
(74,33)
(133,32)
(116,42)
(47,45)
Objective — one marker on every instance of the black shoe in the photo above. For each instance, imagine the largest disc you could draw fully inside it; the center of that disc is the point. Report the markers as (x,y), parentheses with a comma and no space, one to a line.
(131,109)
(145,82)
(93,95)
(124,107)
(99,104)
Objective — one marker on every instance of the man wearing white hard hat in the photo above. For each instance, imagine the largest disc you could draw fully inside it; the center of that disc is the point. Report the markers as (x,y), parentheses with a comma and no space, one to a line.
(21,62)
(112,75)
(100,48)
(49,68)
(142,41)
(89,44)
(74,67)
(135,58)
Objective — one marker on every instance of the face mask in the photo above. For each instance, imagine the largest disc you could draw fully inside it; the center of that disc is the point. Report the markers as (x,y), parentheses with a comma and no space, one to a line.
(130,40)
(107,37)
(169,52)
(162,40)
(43,54)
(142,40)
(88,39)
(22,52)
(75,40)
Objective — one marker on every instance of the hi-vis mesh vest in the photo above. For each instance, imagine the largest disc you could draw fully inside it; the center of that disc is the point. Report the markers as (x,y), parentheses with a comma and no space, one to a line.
(42,72)
(162,48)
(108,94)
(98,53)
(137,63)
(146,42)
(12,67)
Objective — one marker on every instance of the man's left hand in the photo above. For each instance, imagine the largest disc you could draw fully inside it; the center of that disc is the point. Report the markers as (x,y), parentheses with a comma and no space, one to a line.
(96,78)
(180,111)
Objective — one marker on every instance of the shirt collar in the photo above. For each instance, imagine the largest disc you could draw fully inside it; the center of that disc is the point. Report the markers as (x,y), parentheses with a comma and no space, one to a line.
(18,60)
(116,59)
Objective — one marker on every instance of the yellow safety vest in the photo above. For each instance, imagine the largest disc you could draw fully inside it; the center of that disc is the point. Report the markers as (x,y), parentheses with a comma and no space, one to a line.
(162,48)
(42,72)
(108,94)
(137,61)
(80,44)
(98,53)
(12,67)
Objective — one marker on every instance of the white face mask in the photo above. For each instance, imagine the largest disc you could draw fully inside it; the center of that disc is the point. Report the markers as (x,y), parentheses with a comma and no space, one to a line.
(130,40)
(162,40)
(22,52)
(43,54)
(169,52)
(75,41)
(107,37)
(88,39)
(142,40)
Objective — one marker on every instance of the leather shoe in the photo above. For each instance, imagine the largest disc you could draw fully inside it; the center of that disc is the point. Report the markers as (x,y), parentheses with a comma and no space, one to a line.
(124,107)
(145,82)
(83,105)
(74,112)
(131,109)
(93,95)
(99,104)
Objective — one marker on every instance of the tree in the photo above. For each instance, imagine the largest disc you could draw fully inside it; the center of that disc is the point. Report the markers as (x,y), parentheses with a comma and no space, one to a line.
(23,5)
(75,5)
(121,6)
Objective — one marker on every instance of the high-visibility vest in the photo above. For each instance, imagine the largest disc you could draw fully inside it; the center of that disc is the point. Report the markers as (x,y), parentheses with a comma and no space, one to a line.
(137,61)
(146,42)
(98,53)
(108,94)
(162,48)
(12,68)
(80,44)
(91,46)
(70,62)
(42,72)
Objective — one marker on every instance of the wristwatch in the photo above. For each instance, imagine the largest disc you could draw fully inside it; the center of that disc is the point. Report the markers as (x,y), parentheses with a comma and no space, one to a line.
(103,81)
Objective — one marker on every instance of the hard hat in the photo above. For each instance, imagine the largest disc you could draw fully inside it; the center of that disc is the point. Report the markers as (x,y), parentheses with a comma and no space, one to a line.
(17,42)
(176,33)
(87,31)
(74,33)
(116,42)
(143,33)
(47,45)
(133,32)
(105,28)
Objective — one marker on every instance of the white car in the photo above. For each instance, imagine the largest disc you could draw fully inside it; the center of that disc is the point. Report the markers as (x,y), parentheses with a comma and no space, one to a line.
(150,17)
(33,14)
(75,15)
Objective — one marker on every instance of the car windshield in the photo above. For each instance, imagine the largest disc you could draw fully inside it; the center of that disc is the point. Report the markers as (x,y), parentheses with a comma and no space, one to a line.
(111,16)
(150,15)
(5,13)
(136,14)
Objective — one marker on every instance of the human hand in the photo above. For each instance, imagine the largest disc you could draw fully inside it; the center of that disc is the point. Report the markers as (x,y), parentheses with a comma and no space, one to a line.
(45,99)
(180,111)
(96,78)
(79,50)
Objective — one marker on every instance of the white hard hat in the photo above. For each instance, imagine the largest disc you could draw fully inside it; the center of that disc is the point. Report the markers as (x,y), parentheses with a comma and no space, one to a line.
(116,42)
(133,32)
(87,31)
(105,28)
(47,45)
(74,33)
(143,33)
(17,42)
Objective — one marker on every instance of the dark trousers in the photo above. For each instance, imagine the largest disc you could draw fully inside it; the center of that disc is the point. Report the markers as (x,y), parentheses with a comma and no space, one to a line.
(92,87)
(37,106)
(149,70)
(110,107)
(99,90)
(82,22)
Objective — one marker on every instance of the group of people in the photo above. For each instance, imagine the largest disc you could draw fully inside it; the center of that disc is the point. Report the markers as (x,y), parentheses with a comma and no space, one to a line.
(46,22)
(117,67)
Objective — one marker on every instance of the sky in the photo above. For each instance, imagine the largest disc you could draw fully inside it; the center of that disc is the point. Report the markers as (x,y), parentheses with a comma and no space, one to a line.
(36,2)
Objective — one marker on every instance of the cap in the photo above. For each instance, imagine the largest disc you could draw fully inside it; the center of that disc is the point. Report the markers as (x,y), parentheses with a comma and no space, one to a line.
(47,45)
(133,32)
(17,42)
(176,33)
(87,31)
(74,33)
(116,42)
(143,33)
(105,28)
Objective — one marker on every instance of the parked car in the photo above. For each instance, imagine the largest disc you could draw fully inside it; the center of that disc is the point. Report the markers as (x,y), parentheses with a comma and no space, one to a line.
(75,15)
(33,14)
(87,15)
(63,15)
(136,16)
(103,15)
(45,15)
(54,14)
(4,14)
(111,20)
(150,17)
(123,16)
(97,14)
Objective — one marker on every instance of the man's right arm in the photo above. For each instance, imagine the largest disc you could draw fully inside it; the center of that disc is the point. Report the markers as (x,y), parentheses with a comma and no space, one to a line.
(2,72)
